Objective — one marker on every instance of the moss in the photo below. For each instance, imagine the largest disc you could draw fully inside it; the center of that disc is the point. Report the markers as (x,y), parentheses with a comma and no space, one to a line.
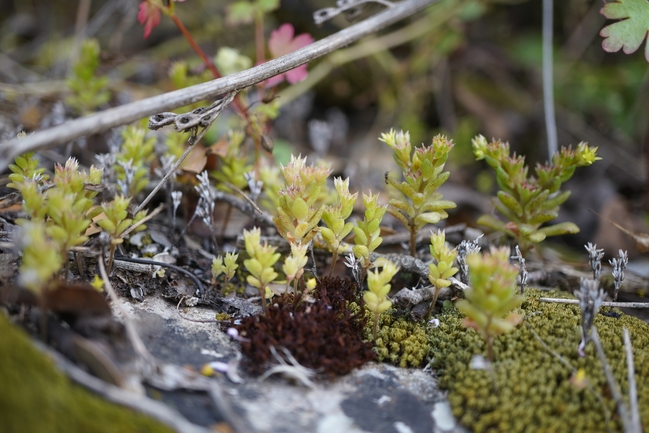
(533,391)
(223,316)
(36,397)
(400,341)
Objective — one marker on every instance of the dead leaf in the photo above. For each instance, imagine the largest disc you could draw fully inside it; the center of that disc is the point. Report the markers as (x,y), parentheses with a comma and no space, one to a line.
(195,161)
(219,148)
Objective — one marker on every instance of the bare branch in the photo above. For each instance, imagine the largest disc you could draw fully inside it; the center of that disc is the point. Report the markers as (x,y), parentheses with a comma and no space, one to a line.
(131,112)
(604,304)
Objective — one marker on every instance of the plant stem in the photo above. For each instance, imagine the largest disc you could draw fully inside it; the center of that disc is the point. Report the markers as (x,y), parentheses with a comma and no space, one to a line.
(208,63)
(376,324)
(334,259)
(413,240)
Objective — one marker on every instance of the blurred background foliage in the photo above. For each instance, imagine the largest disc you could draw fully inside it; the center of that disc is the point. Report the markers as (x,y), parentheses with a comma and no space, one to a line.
(462,67)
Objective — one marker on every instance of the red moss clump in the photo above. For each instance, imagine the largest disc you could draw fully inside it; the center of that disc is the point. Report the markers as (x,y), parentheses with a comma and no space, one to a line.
(324,335)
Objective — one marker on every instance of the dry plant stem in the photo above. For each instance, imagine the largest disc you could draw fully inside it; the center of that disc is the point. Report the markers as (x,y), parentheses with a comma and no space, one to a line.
(612,384)
(150,268)
(193,141)
(604,304)
(548,87)
(635,424)
(138,403)
(130,112)
(133,336)
(155,212)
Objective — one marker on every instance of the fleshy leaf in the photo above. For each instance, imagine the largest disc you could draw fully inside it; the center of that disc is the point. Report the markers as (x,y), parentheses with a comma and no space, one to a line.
(629,33)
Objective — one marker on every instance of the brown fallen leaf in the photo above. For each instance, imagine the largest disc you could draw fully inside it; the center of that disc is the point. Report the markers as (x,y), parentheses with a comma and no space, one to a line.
(641,239)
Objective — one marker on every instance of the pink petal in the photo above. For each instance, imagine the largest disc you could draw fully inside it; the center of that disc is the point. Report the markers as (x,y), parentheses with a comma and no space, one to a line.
(296,75)
(149,16)
(300,41)
(280,40)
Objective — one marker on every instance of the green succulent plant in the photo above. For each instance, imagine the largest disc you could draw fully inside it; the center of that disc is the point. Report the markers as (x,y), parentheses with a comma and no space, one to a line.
(260,263)
(224,265)
(423,173)
(491,296)
(367,233)
(334,217)
(441,269)
(378,284)
(528,202)
(88,90)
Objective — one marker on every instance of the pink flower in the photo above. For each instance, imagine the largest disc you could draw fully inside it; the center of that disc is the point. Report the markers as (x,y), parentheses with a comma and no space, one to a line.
(282,42)
(149,14)
(149,17)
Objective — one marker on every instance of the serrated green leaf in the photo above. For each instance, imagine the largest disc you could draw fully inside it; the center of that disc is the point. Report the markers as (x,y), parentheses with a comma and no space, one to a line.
(629,33)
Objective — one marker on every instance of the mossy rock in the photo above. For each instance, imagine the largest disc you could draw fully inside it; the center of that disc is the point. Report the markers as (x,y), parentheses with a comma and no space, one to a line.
(531,390)
(36,397)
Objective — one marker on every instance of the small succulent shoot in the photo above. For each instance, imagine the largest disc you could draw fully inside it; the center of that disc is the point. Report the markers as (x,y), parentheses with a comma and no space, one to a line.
(334,217)
(441,269)
(271,178)
(522,277)
(26,169)
(116,221)
(41,257)
(224,265)
(260,262)
(590,297)
(368,232)
(595,257)
(133,159)
(423,173)
(491,296)
(88,90)
(378,284)
(465,248)
(233,164)
(528,202)
(294,265)
(619,266)
(300,209)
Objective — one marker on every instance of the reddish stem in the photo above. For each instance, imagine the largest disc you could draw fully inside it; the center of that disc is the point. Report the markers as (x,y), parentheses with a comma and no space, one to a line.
(208,62)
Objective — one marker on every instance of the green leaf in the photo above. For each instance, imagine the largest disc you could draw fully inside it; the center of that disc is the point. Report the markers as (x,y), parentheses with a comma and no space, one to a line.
(241,12)
(511,203)
(267,5)
(565,228)
(629,33)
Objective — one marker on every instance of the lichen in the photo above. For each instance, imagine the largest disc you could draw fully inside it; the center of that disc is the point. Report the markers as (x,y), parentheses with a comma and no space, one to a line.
(530,389)
(400,341)
(36,397)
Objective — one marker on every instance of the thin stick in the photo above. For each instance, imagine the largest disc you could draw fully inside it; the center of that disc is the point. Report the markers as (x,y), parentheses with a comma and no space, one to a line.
(155,212)
(130,112)
(193,141)
(604,304)
(548,86)
(636,426)
(612,384)
(131,331)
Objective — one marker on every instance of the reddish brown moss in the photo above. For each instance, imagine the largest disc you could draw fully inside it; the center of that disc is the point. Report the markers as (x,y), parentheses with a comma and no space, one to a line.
(325,335)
